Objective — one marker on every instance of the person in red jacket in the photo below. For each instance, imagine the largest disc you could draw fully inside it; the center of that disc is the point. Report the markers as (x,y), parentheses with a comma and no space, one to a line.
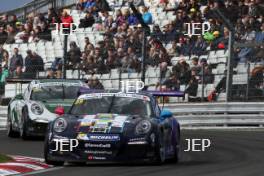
(66,19)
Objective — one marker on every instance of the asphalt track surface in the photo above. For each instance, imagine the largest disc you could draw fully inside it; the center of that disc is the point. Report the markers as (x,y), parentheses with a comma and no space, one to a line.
(233,153)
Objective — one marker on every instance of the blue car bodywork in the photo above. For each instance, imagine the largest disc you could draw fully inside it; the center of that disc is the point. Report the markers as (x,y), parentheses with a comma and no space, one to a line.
(115,135)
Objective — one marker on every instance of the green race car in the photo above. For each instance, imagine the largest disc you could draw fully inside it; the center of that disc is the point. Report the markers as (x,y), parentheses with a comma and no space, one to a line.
(42,101)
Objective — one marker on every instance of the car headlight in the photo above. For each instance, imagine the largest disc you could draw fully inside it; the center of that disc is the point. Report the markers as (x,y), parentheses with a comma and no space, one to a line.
(143,127)
(60,125)
(36,109)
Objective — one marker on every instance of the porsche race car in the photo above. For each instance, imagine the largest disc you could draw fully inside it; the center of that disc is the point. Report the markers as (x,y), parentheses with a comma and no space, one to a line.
(30,112)
(111,126)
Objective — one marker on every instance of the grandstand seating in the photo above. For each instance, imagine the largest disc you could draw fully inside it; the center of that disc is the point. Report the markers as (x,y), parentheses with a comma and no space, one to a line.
(48,50)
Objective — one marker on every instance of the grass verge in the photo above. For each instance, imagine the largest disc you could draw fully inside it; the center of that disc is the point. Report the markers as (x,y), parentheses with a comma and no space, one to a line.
(4,158)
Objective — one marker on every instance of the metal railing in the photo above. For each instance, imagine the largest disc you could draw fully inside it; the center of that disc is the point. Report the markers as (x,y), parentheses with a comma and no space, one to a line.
(40,6)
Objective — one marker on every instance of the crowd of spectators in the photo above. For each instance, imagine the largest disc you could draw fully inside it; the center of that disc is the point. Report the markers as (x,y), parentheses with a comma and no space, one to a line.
(121,46)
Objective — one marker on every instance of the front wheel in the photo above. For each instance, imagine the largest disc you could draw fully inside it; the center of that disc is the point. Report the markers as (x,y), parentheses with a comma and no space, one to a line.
(175,158)
(23,126)
(47,160)
(160,151)
(10,132)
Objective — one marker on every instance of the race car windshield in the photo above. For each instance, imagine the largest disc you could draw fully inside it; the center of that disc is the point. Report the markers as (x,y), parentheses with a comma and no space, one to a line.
(45,93)
(112,104)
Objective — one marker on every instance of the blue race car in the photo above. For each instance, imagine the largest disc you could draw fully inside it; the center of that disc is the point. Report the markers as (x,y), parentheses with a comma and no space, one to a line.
(111,126)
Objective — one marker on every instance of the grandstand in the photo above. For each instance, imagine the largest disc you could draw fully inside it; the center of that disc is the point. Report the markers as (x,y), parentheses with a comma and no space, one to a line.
(169,15)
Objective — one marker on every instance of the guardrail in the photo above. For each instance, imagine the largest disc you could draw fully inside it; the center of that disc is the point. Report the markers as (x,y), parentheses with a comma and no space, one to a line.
(233,114)
(3,116)
(245,114)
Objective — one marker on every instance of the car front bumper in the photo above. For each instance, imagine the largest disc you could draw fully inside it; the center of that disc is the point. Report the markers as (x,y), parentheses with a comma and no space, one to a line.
(37,127)
(122,150)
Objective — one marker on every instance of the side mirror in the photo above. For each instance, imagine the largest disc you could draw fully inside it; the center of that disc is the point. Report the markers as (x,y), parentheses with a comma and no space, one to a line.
(59,110)
(166,114)
(19,97)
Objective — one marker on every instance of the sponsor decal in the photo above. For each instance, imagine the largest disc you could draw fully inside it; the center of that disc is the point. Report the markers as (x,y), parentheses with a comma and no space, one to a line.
(94,137)
(137,139)
(98,152)
(102,122)
(123,95)
(90,145)
(91,157)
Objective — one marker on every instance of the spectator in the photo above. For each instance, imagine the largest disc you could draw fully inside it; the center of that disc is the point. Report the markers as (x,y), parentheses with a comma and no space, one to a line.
(10,35)
(256,84)
(147,17)
(89,4)
(95,84)
(33,64)
(22,35)
(56,68)
(30,65)
(87,21)
(192,88)
(16,64)
(182,69)
(164,72)
(53,18)
(66,20)
(89,65)
(172,83)
(205,74)
(3,76)
(2,52)
(195,66)
(74,56)
(5,60)
(3,35)
(111,61)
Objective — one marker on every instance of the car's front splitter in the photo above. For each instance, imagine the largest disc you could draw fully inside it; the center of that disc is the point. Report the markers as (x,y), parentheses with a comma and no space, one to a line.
(86,151)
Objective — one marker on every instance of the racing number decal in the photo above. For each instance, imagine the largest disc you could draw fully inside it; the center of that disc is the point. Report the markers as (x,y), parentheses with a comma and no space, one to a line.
(79,101)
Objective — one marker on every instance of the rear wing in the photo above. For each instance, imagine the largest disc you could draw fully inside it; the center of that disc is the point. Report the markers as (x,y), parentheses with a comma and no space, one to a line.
(155,93)
(165,93)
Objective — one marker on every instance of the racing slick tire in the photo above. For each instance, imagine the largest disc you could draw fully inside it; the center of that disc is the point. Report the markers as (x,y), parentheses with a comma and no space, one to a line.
(10,132)
(24,129)
(46,150)
(175,158)
(160,151)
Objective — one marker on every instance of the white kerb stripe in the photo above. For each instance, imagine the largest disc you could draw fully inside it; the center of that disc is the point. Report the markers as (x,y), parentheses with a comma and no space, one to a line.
(4,172)
(31,166)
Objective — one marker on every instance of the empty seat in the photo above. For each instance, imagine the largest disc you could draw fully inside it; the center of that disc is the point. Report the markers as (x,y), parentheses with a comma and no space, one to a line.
(134,75)
(212,54)
(69,74)
(182,87)
(105,76)
(107,84)
(242,68)
(76,74)
(153,81)
(115,84)
(124,76)
(240,79)
(220,53)
(222,59)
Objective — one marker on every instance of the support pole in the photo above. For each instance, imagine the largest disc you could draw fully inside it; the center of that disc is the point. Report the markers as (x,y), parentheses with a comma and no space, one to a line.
(143,64)
(229,79)
(65,56)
